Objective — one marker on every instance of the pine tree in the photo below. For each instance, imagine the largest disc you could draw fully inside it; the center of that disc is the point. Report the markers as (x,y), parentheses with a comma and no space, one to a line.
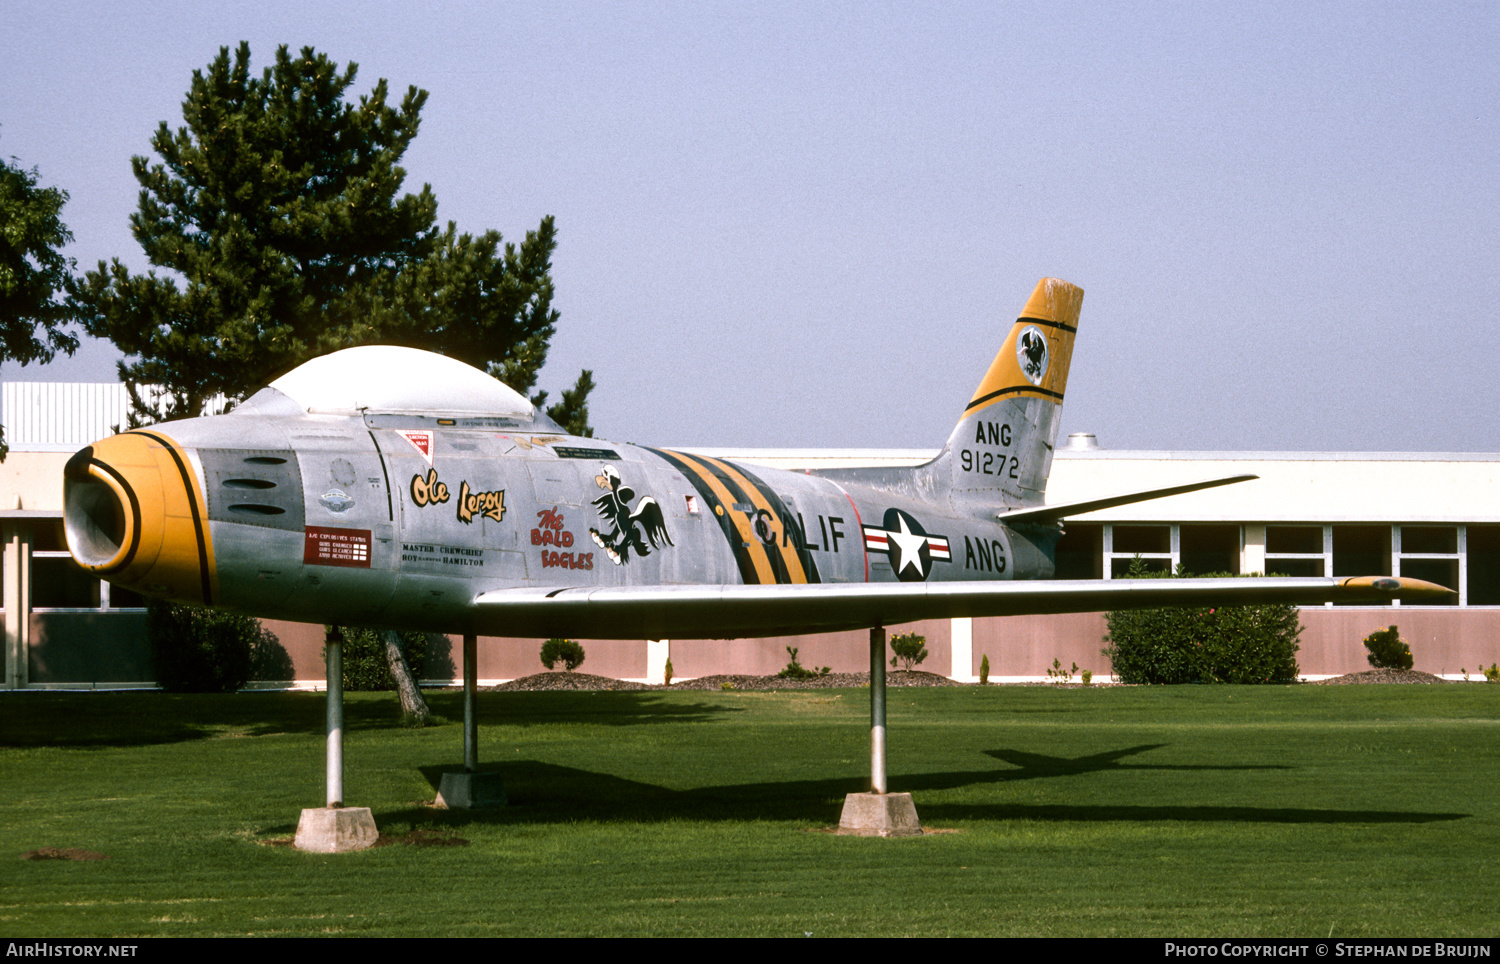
(33,271)
(277,215)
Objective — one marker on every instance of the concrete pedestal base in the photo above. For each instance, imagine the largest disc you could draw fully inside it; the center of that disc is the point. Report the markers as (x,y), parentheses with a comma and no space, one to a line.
(470,791)
(335,831)
(880,815)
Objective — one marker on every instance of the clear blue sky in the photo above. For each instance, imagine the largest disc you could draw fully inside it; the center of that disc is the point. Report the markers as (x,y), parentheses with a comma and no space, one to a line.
(810,224)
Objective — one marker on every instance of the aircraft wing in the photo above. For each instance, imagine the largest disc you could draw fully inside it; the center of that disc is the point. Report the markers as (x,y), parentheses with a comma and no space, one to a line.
(1051,513)
(736,611)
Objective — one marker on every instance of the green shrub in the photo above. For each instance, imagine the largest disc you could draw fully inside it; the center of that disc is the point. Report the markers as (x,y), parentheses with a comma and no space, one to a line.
(366,668)
(984,670)
(1221,644)
(1492,674)
(195,650)
(795,670)
(910,649)
(569,652)
(1059,674)
(1388,650)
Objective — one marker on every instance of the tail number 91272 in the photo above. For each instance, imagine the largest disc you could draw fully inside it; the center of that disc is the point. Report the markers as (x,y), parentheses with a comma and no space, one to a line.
(989,463)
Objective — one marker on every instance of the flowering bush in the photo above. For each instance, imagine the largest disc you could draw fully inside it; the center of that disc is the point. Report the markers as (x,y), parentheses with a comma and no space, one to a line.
(1388,650)
(1225,644)
(910,649)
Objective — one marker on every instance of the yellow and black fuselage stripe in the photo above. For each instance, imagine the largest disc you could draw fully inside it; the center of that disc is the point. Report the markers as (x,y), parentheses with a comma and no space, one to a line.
(197,511)
(774,553)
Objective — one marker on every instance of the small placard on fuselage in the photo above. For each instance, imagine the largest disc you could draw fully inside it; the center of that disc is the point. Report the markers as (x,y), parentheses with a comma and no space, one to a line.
(323,546)
(569,452)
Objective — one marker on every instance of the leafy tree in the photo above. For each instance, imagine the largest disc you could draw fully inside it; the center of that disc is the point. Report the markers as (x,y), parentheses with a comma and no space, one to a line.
(1223,644)
(277,214)
(366,668)
(384,660)
(33,271)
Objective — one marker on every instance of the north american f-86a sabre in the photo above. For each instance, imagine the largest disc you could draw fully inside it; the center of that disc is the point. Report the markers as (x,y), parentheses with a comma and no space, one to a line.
(392,487)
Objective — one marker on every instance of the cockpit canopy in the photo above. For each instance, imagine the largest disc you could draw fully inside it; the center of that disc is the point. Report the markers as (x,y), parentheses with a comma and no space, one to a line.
(387,379)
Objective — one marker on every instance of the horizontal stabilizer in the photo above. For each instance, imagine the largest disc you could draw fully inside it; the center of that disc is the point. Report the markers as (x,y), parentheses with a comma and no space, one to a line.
(730,612)
(1052,513)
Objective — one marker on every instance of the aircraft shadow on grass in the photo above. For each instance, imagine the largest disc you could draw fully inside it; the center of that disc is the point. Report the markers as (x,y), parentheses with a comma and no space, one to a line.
(1034,765)
(549,793)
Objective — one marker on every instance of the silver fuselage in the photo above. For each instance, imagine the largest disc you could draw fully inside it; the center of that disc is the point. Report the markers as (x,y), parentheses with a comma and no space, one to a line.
(397,520)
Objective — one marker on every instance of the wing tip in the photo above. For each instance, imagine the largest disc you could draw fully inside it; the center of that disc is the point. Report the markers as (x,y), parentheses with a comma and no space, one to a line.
(1404,588)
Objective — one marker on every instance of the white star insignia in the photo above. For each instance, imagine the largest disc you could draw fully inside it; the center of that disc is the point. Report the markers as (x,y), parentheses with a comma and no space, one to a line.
(910,545)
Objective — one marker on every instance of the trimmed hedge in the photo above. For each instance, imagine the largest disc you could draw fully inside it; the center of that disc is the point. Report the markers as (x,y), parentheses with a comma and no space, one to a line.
(569,652)
(195,650)
(1224,644)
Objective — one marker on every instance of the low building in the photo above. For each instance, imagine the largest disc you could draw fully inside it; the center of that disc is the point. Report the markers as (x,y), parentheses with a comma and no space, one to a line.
(1426,515)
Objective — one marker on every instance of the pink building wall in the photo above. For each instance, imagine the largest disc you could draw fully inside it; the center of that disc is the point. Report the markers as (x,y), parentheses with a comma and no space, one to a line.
(1442,640)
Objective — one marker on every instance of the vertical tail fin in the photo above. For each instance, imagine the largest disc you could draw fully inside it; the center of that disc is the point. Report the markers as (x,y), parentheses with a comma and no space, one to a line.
(1000,453)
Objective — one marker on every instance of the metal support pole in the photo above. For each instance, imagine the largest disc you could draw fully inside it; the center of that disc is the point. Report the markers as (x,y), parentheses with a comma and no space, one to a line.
(877,709)
(335,671)
(471,712)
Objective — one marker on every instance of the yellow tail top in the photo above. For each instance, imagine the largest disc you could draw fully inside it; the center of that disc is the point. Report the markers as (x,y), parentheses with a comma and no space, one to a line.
(1034,360)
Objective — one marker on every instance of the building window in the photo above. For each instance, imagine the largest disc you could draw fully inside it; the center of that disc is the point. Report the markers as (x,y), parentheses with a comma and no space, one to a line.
(1482,554)
(1152,543)
(47,537)
(1362,551)
(1080,552)
(1431,553)
(57,582)
(1208,549)
(1463,558)
(61,584)
(116,597)
(1297,550)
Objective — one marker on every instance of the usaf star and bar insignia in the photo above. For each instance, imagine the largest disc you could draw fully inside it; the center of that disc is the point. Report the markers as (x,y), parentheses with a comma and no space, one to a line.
(911,549)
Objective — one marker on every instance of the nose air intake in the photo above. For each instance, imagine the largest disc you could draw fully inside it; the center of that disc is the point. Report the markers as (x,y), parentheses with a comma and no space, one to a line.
(133,513)
(103,516)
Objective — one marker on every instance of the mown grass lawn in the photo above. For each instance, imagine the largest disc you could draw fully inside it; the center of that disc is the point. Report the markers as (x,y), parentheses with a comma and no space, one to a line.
(1183,811)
